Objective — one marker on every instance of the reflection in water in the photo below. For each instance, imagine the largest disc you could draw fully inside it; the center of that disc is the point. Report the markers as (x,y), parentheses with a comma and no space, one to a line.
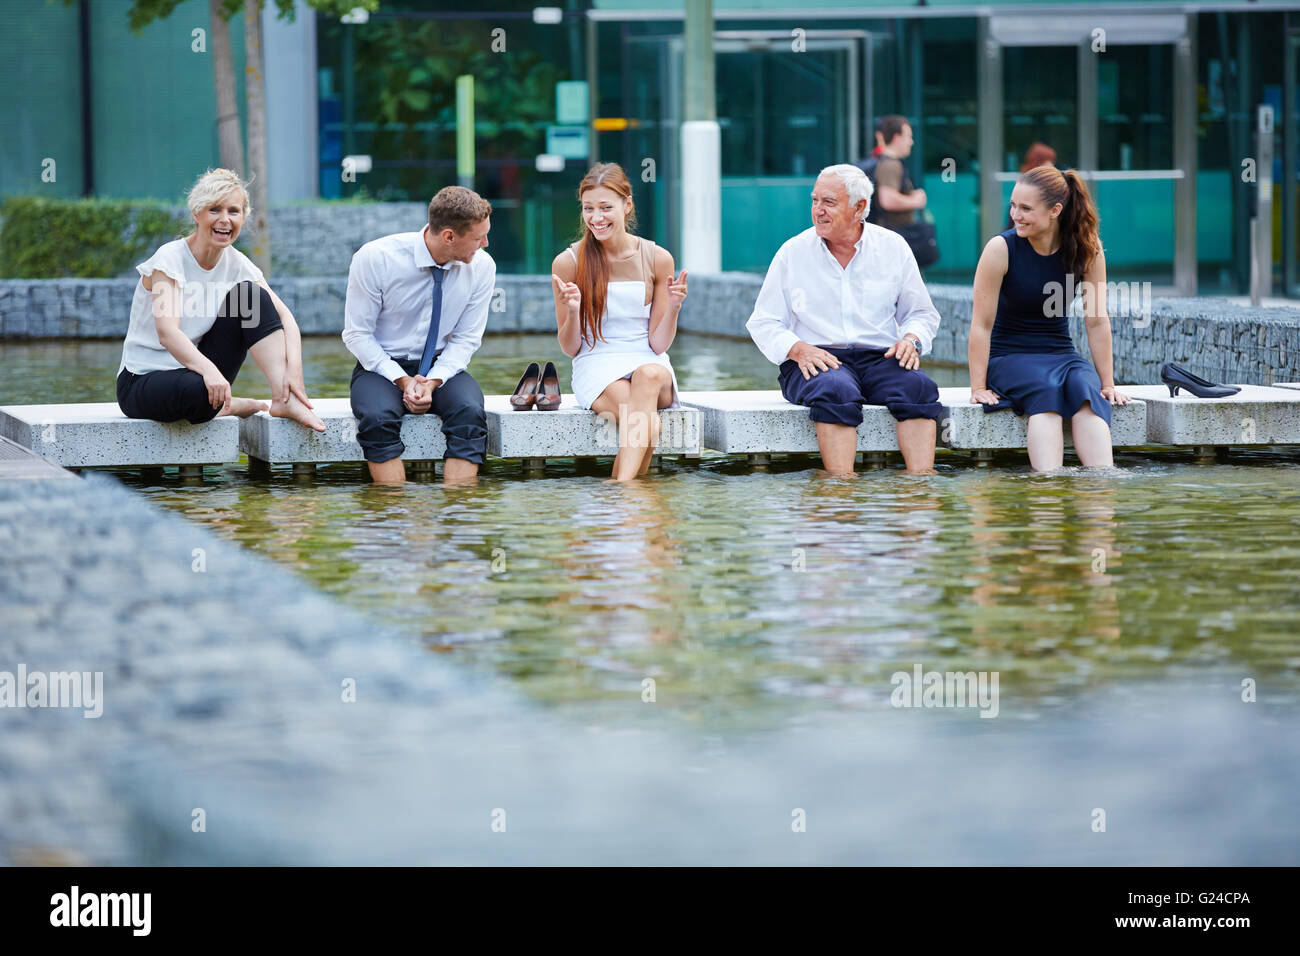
(758,598)
(1043,570)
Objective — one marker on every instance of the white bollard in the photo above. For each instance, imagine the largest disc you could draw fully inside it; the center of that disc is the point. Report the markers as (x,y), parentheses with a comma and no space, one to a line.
(701,197)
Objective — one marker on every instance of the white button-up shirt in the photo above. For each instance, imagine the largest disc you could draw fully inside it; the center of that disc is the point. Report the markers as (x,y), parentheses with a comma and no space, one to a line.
(872,302)
(390,302)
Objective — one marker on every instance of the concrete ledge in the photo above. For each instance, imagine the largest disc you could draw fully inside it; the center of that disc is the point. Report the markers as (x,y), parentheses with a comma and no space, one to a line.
(572,432)
(1257,415)
(22,464)
(98,433)
(757,422)
(732,422)
(278,440)
(969,426)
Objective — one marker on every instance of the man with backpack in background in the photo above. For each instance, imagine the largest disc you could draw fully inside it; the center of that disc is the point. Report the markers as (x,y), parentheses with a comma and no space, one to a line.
(897,201)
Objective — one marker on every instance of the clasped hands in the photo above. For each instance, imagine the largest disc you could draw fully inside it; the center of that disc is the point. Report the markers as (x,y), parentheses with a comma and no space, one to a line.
(417,392)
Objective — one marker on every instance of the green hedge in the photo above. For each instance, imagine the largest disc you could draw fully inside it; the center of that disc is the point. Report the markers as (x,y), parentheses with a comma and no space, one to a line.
(85,238)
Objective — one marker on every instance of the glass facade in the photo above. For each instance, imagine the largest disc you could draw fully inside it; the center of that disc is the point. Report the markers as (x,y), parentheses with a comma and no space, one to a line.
(387,90)
(796,90)
(150,114)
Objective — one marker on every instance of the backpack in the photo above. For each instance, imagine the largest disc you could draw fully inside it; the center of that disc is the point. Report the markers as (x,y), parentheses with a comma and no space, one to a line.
(920,235)
(868,166)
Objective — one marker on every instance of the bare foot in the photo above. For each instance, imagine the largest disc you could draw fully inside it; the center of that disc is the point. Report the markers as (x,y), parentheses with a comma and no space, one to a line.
(298,412)
(242,407)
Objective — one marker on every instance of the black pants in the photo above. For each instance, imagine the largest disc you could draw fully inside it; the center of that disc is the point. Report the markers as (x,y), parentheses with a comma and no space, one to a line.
(245,318)
(377,404)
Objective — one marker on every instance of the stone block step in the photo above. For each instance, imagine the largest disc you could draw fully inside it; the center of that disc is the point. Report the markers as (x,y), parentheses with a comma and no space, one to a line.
(969,426)
(281,441)
(1257,415)
(98,434)
(572,432)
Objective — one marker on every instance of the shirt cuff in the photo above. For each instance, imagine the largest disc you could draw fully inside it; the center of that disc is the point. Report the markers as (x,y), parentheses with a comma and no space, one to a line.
(924,346)
(781,346)
(440,371)
(390,370)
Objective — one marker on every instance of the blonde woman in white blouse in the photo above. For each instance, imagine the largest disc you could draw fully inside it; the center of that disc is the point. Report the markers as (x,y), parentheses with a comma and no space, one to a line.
(200,308)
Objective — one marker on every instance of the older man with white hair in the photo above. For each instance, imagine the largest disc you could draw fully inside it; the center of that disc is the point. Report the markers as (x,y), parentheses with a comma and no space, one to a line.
(844,313)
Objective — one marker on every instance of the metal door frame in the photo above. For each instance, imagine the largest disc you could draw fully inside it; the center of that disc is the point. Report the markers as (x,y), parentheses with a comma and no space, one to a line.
(1026,29)
(1290,159)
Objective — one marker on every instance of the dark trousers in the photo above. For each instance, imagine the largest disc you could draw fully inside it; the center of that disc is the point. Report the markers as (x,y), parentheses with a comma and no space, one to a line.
(865,377)
(246,316)
(377,404)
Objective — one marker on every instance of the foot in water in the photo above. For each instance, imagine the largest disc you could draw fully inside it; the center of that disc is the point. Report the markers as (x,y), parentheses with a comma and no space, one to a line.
(242,407)
(299,412)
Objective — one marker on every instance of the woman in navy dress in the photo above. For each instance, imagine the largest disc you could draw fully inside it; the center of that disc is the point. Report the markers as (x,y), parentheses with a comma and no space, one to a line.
(1021,355)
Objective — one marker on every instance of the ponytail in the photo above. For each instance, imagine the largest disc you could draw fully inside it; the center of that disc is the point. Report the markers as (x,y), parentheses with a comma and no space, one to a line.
(1080,239)
(1079,223)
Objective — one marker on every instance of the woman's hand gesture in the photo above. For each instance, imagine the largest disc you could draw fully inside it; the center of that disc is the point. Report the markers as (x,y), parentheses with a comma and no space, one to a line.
(568,292)
(677,289)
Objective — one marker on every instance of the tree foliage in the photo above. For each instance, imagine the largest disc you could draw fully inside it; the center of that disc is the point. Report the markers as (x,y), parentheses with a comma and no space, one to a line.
(145,12)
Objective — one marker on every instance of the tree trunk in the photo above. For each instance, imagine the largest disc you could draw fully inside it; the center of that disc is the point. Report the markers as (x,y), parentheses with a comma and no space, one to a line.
(255,97)
(230,142)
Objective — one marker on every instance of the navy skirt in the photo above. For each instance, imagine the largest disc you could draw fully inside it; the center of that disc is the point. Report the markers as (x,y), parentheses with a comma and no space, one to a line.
(1034,382)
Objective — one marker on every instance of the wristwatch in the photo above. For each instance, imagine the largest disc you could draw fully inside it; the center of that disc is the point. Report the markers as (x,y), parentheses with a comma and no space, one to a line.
(915,341)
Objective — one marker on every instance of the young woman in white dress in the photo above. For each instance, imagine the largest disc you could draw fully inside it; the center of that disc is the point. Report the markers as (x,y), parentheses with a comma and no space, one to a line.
(616,307)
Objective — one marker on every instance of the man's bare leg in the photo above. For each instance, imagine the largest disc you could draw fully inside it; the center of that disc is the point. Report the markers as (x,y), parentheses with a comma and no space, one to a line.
(839,447)
(916,438)
(391,472)
(458,471)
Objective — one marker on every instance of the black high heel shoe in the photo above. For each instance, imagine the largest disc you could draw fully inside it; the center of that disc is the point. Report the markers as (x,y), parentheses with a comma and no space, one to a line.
(525,396)
(1176,377)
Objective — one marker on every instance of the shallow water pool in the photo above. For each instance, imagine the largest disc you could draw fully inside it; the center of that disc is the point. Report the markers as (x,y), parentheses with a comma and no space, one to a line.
(759,598)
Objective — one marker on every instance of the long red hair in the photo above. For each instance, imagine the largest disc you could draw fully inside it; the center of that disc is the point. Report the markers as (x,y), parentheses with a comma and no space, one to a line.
(593,266)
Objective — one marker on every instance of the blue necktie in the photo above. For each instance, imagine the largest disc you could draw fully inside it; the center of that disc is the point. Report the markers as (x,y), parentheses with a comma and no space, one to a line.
(435,320)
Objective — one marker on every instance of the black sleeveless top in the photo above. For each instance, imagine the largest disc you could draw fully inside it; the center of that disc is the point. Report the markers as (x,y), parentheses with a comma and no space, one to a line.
(1033,285)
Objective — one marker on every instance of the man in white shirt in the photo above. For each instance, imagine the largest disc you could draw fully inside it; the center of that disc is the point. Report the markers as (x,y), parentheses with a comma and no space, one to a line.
(844,313)
(398,286)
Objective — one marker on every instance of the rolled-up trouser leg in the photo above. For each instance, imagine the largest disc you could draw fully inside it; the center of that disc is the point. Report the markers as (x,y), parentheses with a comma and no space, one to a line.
(459,403)
(377,405)
(834,397)
(907,393)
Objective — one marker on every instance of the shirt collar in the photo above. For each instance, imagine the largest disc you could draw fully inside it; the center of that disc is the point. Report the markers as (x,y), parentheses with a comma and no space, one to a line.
(423,258)
(826,249)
